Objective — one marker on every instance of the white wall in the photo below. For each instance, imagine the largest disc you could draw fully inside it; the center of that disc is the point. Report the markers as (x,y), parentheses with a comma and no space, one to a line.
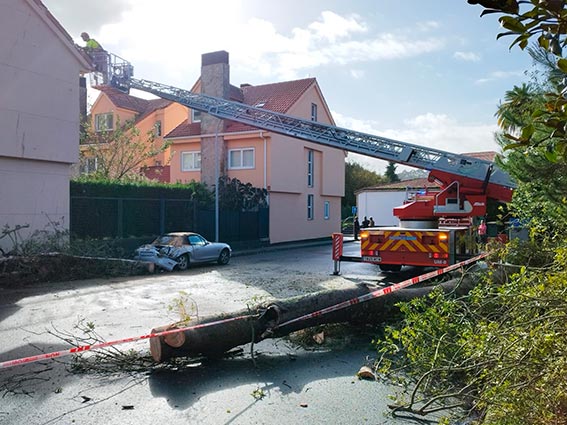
(380,205)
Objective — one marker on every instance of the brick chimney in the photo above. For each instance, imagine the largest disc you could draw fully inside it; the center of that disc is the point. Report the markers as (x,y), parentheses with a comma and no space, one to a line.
(215,81)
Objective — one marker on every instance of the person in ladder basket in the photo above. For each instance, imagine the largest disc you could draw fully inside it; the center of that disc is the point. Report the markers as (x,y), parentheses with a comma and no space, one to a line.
(97,54)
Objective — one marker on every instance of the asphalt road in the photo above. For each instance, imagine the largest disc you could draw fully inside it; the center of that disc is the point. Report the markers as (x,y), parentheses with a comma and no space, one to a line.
(283,383)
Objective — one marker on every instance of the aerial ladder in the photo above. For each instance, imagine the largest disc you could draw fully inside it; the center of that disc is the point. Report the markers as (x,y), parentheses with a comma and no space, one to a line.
(466,183)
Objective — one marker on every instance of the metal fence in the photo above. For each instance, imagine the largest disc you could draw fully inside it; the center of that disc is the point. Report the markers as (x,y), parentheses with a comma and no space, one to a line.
(108,217)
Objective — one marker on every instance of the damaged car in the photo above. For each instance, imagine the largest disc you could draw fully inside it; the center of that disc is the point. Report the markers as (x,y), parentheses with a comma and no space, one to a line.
(177,250)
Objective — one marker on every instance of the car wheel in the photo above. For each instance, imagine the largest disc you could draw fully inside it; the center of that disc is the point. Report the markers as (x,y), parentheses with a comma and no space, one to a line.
(224,257)
(182,262)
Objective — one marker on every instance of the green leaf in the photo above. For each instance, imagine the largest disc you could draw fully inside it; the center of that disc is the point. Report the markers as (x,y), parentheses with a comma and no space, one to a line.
(515,146)
(512,24)
(543,42)
(527,132)
(509,136)
(522,40)
(489,11)
(562,65)
(523,44)
(551,156)
(502,34)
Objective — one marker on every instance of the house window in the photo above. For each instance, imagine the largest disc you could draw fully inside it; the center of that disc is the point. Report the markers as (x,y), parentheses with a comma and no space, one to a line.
(89,165)
(241,158)
(310,161)
(157,128)
(190,161)
(327,211)
(195,116)
(104,122)
(310,207)
(313,112)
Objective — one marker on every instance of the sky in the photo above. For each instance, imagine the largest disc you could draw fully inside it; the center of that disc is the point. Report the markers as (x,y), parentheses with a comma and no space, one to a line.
(429,72)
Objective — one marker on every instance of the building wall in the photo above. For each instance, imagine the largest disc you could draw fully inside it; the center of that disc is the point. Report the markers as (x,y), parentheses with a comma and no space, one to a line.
(288,217)
(173,115)
(177,148)
(39,116)
(103,105)
(170,118)
(287,180)
(34,193)
(380,205)
(255,175)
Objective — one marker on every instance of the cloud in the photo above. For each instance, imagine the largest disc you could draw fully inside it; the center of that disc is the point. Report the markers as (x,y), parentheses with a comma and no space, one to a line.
(165,43)
(85,15)
(333,26)
(467,56)
(357,74)
(427,26)
(499,75)
(429,130)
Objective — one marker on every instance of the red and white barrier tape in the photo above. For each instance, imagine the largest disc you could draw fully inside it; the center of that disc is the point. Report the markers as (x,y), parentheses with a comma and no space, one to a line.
(80,349)
(363,298)
(383,291)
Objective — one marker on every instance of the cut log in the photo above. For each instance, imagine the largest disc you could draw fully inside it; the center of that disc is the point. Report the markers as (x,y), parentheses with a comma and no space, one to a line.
(265,321)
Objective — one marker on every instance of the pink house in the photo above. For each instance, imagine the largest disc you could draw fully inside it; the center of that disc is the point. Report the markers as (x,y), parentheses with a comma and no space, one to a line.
(40,69)
(156,115)
(305,181)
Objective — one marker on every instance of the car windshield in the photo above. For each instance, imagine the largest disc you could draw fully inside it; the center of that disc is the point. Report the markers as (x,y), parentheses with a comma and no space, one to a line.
(174,240)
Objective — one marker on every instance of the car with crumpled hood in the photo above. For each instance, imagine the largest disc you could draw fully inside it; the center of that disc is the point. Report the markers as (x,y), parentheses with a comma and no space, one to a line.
(178,250)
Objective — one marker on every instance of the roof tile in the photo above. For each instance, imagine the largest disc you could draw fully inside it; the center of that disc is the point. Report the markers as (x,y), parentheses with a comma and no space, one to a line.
(277,97)
(487,155)
(185,129)
(143,107)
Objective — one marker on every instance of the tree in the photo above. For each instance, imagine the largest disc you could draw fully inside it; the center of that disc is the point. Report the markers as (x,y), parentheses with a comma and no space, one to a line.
(390,173)
(119,154)
(357,177)
(238,196)
(540,197)
(499,351)
(545,21)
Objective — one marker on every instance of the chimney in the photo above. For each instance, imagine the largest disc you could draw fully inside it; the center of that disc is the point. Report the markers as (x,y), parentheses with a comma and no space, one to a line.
(215,81)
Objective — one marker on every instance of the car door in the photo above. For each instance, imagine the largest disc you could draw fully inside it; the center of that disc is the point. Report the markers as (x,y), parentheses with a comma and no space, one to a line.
(199,248)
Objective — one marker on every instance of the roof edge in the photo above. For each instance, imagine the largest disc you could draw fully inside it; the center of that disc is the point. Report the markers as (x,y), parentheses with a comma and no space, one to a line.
(61,33)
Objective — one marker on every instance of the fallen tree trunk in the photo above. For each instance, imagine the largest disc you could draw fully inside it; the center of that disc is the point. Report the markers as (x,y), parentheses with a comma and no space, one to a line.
(265,321)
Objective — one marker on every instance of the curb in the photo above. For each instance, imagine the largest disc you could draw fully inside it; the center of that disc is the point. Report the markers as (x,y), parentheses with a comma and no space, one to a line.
(285,246)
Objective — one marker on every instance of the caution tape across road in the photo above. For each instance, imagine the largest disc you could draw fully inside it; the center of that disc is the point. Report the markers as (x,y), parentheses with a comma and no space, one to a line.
(367,297)
(383,291)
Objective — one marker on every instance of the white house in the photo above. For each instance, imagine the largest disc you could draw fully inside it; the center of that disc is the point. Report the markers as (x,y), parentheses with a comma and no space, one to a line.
(378,202)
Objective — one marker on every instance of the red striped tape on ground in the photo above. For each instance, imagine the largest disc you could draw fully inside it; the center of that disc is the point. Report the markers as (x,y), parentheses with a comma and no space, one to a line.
(383,291)
(79,349)
(363,298)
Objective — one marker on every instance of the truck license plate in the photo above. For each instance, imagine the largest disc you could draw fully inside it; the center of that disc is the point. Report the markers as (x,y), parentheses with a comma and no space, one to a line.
(372,259)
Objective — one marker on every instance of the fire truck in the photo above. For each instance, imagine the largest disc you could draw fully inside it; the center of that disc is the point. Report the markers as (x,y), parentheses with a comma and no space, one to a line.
(434,227)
